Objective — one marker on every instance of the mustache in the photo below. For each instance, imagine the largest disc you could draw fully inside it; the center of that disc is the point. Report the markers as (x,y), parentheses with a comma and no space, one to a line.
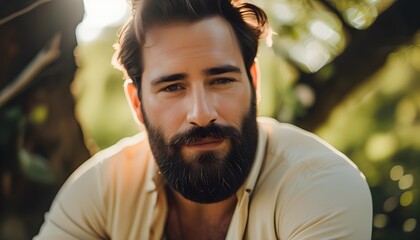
(197,133)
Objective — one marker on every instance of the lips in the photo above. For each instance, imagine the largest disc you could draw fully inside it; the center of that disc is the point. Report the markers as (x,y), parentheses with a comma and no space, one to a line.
(206,144)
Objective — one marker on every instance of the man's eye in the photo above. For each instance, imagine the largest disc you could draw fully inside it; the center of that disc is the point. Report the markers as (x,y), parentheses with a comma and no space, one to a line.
(223,81)
(172,88)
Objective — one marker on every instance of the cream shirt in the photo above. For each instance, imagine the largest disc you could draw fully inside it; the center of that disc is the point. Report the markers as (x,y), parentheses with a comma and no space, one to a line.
(299,188)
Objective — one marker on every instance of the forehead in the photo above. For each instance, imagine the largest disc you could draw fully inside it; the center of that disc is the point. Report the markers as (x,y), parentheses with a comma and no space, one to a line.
(207,42)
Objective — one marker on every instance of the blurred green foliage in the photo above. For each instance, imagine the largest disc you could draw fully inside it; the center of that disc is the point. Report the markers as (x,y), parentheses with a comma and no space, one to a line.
(35,167)
(378,127)
(12,124)
(101,107)
(10,120)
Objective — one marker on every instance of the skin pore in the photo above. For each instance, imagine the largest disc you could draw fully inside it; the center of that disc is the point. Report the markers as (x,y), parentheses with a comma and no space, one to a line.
(193,76)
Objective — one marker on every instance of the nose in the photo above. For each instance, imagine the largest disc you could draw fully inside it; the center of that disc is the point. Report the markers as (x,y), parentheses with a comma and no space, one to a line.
(202,111)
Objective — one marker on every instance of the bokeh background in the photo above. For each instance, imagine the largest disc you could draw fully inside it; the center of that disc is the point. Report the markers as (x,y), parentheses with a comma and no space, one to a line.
(348,71)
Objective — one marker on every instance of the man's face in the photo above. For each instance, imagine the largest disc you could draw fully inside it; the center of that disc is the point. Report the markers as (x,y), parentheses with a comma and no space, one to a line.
(198,108)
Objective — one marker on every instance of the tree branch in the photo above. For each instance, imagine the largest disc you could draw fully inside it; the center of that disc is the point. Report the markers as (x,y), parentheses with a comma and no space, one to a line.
(366,53)
(42,59)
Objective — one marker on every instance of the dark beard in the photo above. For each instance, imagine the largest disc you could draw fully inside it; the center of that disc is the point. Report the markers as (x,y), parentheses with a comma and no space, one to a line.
(209,177)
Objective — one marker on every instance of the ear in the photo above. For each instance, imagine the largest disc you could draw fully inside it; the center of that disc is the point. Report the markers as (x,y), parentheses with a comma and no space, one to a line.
(133,100)
(255,74)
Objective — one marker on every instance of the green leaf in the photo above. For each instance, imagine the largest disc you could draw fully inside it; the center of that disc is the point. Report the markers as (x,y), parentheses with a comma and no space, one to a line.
(35,167)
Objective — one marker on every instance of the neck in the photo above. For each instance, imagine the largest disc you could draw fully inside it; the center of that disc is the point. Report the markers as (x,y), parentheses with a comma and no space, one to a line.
(208,212)
(190,217)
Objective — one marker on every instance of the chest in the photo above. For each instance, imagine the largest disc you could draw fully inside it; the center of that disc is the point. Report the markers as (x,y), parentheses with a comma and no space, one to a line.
(178,227)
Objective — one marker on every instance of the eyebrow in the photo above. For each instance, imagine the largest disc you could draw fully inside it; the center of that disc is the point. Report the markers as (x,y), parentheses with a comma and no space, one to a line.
(208,72)
(222,69)
(169,78)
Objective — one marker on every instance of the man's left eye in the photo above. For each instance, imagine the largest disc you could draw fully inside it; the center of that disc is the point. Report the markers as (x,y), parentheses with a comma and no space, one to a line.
(223,80)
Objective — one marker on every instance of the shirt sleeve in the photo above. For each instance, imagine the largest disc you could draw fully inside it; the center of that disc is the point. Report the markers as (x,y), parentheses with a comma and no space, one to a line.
(78,209)
(331,201)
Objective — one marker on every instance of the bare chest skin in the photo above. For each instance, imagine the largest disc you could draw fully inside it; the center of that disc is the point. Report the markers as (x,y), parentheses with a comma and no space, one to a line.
(180,228)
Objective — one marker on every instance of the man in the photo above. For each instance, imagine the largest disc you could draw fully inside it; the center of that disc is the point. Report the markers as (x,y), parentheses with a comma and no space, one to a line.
(207,168)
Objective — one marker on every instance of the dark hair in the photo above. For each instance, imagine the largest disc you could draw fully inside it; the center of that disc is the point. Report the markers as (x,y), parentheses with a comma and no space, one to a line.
(247,20)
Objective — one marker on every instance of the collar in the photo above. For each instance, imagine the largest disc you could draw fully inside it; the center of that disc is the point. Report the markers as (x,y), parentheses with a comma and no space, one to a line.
(249,184)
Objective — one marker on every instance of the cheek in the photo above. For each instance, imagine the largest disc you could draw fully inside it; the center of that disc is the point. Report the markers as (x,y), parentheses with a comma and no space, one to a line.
(234,106)
(164,115)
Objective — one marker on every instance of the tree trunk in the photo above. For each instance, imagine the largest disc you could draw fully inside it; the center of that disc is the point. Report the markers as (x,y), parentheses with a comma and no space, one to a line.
(41,142)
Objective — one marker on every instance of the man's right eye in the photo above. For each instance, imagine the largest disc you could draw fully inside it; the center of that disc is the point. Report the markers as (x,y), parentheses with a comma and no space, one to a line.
(172,88)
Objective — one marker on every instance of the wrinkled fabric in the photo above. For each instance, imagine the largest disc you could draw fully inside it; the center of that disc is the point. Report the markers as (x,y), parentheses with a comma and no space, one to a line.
(299,187)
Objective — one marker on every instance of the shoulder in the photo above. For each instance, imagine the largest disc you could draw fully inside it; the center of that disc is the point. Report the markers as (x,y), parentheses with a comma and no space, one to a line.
(96,190)
(317,190)
(111,169)
(296,157)
(293,148)
(129,150)
(95,176)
